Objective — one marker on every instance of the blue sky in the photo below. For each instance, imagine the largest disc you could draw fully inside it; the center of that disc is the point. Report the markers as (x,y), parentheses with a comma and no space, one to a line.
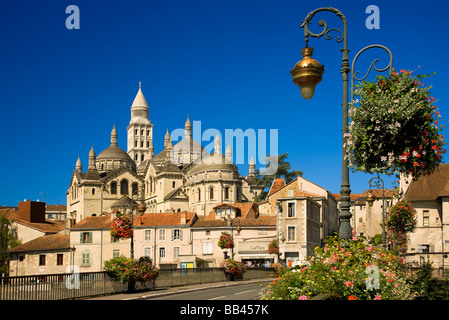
(224,63)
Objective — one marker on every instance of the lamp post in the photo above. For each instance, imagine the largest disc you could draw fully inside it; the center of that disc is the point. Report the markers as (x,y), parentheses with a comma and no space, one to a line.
(377,182)
(230,222)
(141,209)
(308,72)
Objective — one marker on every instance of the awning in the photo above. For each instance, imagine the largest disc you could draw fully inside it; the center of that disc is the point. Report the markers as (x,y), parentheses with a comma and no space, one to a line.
(256,256)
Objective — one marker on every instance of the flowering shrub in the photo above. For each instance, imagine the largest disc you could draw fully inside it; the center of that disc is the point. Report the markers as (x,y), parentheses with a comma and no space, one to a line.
(122,227)
(279,269)
(401,219)
(225,241)
(234,267)
(123,269)
(273,247)
(396,127)
(354,270)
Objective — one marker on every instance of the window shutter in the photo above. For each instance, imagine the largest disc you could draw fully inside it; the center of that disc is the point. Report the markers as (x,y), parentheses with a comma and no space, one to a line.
(172,234)
(81,237)
(180,234)
(90,237)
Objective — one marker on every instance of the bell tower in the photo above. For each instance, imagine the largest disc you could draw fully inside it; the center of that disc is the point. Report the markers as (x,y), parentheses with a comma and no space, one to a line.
(140,130)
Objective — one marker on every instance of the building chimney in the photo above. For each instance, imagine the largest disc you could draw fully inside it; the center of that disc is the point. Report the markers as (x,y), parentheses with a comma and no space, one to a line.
(32,211)
(184,217)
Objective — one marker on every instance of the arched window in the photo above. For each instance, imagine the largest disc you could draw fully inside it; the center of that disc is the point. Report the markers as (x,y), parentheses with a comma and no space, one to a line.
(135,187)
(226,193)
(93,191)
(199,194)
(113,187)
(124,187)
(142,157)
(211,193)
(174,184)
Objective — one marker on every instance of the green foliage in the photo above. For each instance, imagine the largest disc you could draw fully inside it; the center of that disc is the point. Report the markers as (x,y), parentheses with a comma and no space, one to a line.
(377,239)
(234,267)
(226,241)
(284,170)
(8,240)
(401,219)
(273,247)
(396,127)
(353,270)
(123,269)
(279,268)
(428,287)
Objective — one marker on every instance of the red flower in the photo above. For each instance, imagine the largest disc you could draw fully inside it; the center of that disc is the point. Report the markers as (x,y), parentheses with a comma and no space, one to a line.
(351,297)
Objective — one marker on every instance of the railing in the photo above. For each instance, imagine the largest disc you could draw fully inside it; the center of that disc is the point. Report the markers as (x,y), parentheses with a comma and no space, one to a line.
(57,286)
(79,285)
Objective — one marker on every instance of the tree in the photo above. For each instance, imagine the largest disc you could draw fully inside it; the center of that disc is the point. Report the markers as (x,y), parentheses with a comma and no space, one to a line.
(8,240)
(283,170)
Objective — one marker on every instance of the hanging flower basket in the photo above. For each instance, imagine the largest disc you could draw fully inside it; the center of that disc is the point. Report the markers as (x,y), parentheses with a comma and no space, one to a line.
(273,247)
(234,267)
(401,219)
(122,227)
(225,241)
(395,128)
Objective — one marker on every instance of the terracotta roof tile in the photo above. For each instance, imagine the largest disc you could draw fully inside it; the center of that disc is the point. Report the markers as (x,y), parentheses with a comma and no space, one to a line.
(45,243)
(49,226)
(55,207)
(164,219)
(276,185)
(429,187)
(97,222)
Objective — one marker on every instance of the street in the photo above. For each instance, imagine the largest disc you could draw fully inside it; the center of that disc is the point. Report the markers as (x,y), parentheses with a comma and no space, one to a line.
(248,291)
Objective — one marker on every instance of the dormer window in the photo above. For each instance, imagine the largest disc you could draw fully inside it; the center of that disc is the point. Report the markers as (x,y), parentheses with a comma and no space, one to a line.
(225,211)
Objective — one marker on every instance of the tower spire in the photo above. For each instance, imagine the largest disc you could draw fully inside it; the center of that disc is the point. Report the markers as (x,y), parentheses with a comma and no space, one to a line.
(114,136)
(217,147)
(79,166)
(92,158)
(188,128)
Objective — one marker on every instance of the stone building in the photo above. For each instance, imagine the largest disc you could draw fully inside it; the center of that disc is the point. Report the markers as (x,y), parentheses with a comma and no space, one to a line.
(49,254)
(429,195)
(306,214)
(181,177)
(30,222)
(366,219)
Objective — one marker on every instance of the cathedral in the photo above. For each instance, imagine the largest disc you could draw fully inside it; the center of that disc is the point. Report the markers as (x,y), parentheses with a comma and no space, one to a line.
(181,177)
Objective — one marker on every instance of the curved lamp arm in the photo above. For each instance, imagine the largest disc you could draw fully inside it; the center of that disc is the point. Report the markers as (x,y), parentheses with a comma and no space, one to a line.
(354,75)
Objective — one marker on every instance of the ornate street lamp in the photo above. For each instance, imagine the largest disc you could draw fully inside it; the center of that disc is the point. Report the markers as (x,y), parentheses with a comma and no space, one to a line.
(308,72)
(378,183)
(141,210)
(370,198)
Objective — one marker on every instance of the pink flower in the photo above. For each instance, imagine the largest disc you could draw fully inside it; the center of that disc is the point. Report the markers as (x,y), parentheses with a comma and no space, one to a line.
(377,297)
(303,297)
(355,238)
(349,283)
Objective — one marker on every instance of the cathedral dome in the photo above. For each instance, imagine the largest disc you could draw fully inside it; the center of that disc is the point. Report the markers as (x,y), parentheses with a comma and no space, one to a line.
(213,162)
(114,157)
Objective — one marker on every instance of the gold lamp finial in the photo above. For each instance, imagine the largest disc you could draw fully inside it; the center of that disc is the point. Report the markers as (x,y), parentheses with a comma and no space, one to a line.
(307,73)
(370,198)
